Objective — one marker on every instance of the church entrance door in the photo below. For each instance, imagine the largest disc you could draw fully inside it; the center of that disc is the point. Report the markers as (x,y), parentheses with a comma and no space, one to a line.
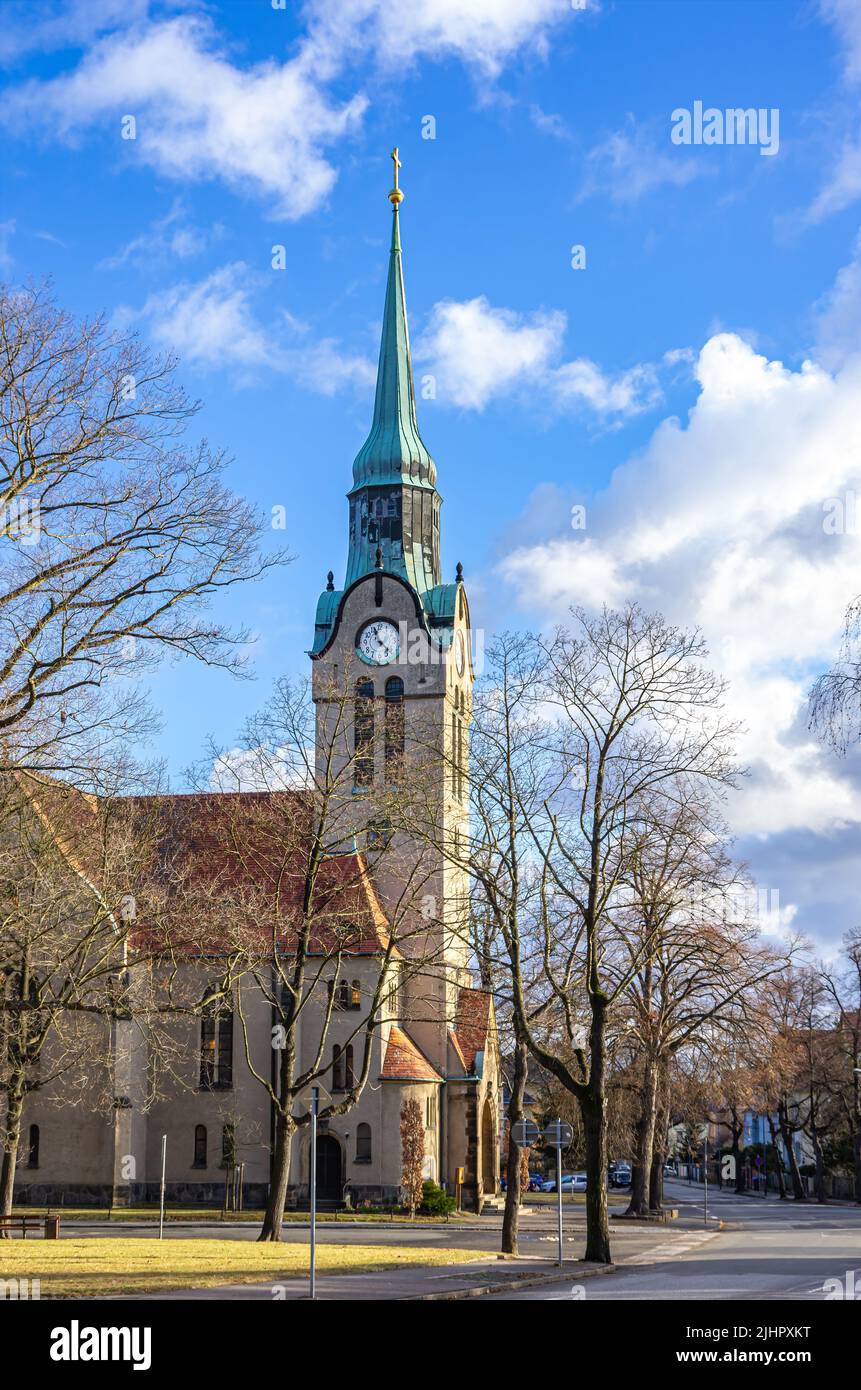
(329,1181)
(488,1164)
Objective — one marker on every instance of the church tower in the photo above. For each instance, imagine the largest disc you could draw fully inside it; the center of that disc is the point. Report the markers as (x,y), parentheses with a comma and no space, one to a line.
(395,643)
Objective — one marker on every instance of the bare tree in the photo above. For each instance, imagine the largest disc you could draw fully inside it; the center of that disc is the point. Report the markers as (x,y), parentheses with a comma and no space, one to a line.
(84,919)
(686,943)
(299,904)
(835,699)
(843,983)
(114,533)
(636,711)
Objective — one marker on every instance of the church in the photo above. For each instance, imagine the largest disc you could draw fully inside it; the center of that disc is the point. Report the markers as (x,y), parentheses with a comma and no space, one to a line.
(393,642)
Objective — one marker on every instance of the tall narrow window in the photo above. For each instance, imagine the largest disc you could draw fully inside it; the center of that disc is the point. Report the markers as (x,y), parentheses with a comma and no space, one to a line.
(337,1068)
(460,776)
(199,1146)
(216,1049)
(356,995)
(33,1147)
(394,728)
(342,999)
(363,734)
(453,753)
(363,1143)
(349,1078)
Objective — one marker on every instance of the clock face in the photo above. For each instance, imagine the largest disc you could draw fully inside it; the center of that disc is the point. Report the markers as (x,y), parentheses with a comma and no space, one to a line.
(378,643)
(459,654)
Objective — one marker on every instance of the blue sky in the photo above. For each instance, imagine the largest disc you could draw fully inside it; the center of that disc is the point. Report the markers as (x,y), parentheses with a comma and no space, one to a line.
(695,386)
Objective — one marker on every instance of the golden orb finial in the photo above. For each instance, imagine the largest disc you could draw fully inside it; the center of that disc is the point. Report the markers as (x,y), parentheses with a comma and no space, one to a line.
(396,197)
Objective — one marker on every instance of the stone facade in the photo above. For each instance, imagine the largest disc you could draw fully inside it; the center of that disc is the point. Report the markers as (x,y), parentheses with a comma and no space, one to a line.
(436,1040)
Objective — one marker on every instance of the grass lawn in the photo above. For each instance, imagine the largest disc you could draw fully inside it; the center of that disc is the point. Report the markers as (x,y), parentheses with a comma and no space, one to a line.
(81,1268)
(214,1214)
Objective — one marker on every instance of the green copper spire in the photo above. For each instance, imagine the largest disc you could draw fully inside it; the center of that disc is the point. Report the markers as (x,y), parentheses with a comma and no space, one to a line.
(393,501)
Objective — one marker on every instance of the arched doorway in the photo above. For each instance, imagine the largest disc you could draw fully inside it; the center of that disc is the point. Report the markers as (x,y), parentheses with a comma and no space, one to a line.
(329,1181)
(488,1157)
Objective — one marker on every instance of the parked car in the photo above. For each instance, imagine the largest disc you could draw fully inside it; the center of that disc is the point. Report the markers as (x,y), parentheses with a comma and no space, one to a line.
(535,1181)
(571,1182)
(670,1170)
(621,1175)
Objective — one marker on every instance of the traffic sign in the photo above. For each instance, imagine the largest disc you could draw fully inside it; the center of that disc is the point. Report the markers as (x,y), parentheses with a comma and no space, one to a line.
(558,1135)
(525,1133)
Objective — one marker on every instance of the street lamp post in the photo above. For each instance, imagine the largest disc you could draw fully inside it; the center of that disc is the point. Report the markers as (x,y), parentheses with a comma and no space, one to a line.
(315,1101)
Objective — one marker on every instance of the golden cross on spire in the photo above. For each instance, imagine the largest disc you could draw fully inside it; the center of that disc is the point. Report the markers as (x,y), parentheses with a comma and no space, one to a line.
(396,196)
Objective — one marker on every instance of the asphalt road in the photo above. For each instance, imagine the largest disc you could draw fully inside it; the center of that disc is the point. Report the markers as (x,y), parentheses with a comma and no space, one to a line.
(770,1250)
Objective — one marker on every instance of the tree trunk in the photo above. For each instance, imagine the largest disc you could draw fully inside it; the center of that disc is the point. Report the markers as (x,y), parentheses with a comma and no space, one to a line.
(659,1154)
(856,1152)
(597,1223)
(593,1106)
(12,1138)
(819,1179)
(511,1215)
(786,1135)
(736,1130)
(644,1141)
(273,1215)
(781,1179)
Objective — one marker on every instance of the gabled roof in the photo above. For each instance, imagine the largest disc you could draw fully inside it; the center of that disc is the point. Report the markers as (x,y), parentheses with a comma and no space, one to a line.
(472,1024)
(246,850)
(404,1060)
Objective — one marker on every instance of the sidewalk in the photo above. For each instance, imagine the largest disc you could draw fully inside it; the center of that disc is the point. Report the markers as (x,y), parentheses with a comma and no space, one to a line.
(417,1284)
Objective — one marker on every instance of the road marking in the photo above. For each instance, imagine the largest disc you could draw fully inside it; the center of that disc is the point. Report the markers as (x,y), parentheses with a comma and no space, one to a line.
(669,1251)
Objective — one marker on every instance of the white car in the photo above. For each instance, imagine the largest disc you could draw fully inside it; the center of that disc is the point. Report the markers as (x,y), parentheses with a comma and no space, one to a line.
(571,1182)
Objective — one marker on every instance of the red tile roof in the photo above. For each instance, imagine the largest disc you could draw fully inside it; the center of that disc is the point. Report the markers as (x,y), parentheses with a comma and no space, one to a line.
(472,1024)
(233,862)
(404,1061)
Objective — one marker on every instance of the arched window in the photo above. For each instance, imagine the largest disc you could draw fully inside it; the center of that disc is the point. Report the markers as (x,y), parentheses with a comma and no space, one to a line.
(394,728)
(454,752)
(216,1048)
(349,1079)
(356,995)
(199,1146)
(363,734)
(337,1068)
(363,1144)
(33,1147)
(343,997)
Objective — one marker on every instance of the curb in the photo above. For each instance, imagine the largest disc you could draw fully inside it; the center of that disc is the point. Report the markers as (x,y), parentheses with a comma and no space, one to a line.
(520,1281)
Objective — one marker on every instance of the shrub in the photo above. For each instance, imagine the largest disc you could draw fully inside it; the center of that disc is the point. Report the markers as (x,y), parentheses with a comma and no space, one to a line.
(435,1202)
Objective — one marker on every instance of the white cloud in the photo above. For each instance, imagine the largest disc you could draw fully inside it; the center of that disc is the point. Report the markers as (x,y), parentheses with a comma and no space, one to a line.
(845,16)
(67,24)
(627,394)
(168,238)
(266,129)
(212,323)
(262,129)
(843,184)
(719,522)
(482,34)
(7,231)
(631,163)
(479,353)
(838,315)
